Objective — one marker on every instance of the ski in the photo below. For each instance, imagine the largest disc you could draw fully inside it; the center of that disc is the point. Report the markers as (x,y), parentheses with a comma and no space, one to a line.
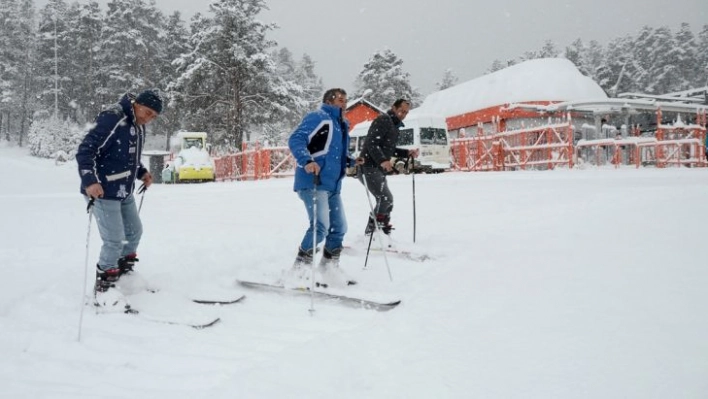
(404,254)
(197,326)
(205,301)
(203,323)
(347,300)
(408,255)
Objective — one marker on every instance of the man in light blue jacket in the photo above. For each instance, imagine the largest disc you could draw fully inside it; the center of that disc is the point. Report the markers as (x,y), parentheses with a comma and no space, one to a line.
(320,145)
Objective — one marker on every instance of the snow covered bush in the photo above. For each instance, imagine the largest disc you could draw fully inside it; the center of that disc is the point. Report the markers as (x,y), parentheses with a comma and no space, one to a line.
(52,137)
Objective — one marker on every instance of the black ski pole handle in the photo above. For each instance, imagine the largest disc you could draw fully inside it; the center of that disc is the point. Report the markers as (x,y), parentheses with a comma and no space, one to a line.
(316,179)
(90,204)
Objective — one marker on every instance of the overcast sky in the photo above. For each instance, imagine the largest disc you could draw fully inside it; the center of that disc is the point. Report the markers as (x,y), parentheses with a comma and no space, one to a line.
(464,35)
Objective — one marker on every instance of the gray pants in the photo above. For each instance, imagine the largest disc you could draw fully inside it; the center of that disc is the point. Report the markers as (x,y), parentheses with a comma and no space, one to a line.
(120,229)
(377,185)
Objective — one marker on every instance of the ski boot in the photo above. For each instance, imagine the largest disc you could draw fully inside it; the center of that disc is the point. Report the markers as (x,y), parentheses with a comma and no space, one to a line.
(299,274)
(105,294)
(330,274)
(127,263)
(384,222)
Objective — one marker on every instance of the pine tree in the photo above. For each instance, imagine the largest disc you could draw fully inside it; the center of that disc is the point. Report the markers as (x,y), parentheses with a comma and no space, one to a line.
(314,89)
(27,41)
(688,64)
(619,72)
(497,65)
(448,80)
(593,57)
(384,76)
(548,50)
(641,48)
(52,67)
(174,44)
(54,137)
(575,53)
(666,55)
(80,86)
(130,52)
(11,57)
(702,55)
(225,80)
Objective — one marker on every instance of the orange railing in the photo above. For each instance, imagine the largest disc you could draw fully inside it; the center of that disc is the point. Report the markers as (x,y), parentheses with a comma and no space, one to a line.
(543,147)
(254,163)
(551,146)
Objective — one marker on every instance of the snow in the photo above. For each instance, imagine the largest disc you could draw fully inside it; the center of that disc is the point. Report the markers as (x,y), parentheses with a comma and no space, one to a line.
(560,284)
(195,157)
(546,79)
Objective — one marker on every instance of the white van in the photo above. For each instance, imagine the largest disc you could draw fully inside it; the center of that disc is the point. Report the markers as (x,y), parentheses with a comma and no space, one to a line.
(428,133)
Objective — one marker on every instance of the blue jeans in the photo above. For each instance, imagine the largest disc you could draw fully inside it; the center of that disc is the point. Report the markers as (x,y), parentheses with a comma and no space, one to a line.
(120,229)
(331,221)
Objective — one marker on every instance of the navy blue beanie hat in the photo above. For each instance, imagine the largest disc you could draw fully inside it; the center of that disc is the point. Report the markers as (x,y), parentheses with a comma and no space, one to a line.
(150,98)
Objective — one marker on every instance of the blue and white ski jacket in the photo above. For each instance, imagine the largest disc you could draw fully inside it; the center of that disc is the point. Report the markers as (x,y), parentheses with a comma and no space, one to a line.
(322,137)
(110,152)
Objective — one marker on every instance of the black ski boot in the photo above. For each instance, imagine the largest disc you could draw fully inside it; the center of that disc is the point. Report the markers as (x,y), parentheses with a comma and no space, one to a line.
(330,258)
(105,296)
(126,263)
(106,279)
(303,258)
(384,222)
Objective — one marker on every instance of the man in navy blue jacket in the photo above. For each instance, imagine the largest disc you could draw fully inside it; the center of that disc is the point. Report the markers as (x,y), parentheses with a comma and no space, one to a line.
(109,163)
(320,145)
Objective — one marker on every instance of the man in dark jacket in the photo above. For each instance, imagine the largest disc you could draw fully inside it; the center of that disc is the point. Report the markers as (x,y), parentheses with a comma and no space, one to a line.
(379,147)
(109,163)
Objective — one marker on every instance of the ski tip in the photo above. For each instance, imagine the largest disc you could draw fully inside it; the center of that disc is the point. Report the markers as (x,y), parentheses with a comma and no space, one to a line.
(383,307)
(218,301)
(206,325)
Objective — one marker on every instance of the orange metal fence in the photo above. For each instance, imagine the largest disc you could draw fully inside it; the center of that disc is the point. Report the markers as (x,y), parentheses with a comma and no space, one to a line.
(255,163)
(543,147)
(551,146)
(672,145)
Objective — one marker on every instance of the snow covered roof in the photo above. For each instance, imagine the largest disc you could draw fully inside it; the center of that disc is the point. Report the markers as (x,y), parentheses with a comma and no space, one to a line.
(546,79)
(362,100)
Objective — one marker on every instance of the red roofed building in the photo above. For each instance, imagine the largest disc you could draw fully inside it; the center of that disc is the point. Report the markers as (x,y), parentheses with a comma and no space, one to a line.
(361,110)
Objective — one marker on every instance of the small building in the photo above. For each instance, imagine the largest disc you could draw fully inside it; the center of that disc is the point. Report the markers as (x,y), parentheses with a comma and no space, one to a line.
(486,99)
(361,110)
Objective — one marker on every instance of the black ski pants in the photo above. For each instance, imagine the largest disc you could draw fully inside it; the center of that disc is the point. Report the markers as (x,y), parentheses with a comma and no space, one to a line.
(378,186)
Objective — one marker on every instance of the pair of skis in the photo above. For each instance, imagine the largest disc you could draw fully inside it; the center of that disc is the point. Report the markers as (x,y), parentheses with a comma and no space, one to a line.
(345,296)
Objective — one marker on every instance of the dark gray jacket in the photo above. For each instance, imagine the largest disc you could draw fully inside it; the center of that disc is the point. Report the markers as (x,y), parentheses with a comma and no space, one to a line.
(380,143)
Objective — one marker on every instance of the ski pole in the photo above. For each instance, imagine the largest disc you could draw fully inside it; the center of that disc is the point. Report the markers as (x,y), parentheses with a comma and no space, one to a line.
(368,248)
(89,210)
(378,230)
(141,191)
(413,177)
(316,181)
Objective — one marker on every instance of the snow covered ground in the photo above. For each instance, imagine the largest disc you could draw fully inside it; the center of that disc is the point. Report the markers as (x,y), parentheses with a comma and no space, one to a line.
(563,284)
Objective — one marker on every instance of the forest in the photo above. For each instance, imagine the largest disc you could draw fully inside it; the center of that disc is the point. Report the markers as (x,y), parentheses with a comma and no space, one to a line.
(220,72)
